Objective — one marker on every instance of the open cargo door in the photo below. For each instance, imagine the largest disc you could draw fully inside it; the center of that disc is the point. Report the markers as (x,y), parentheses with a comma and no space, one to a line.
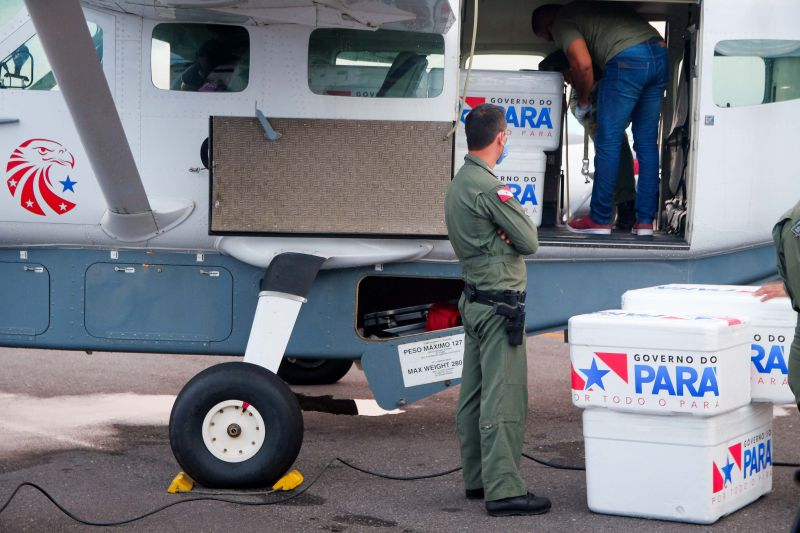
(330,177)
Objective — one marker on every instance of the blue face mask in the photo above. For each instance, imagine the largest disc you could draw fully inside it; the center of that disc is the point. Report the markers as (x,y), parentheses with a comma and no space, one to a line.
(503,155)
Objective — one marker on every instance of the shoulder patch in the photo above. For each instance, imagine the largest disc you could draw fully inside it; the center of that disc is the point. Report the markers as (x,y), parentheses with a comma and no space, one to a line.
(796,230)
(505,194)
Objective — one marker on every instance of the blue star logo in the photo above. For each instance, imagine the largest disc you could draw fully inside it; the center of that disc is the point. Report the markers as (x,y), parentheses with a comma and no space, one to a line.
(726,471)
(594,375)
(68,185)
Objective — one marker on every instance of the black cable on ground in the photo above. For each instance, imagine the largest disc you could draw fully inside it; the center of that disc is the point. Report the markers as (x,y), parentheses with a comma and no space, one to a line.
(293,496)
(300,492)
(397,478)
(163,507)
(452,470)
(553,465)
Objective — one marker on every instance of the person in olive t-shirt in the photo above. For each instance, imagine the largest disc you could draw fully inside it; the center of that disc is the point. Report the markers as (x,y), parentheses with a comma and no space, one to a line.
(625,192)
(633,60)
(490,234)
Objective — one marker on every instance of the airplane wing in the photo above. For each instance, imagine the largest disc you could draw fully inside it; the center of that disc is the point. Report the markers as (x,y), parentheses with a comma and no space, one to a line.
(433,16)
(62,29)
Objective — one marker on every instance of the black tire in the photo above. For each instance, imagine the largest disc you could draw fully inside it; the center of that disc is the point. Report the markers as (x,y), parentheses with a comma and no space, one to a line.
(313,371)
(273,401)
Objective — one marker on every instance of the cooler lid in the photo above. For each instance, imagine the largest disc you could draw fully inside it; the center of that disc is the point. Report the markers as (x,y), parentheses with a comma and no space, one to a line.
(517,84)
(735,300)
(663,331)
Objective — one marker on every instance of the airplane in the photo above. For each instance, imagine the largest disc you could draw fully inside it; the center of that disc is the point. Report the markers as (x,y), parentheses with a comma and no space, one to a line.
(266,178)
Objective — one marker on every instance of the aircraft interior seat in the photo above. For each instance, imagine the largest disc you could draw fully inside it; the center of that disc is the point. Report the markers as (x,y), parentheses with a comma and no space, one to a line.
(404,75)
(241,74)
(11,68)
(431,83)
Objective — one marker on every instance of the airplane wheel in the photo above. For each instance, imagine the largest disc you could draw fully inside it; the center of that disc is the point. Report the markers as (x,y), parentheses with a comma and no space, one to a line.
(313,371)
(236,425)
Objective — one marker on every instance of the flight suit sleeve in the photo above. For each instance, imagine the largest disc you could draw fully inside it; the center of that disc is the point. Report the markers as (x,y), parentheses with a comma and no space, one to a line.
(778,238)
(787,240)
(510,217)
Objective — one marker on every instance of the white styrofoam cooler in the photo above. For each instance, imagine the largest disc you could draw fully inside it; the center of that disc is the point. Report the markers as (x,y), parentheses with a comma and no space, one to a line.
(659,363)
(678,467)
(532,102)
(523,173)
(771,323)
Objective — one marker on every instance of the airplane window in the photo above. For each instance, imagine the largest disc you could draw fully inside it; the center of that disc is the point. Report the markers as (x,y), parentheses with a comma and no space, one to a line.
(27,67)
(375,64)
(200,57)
(753,72)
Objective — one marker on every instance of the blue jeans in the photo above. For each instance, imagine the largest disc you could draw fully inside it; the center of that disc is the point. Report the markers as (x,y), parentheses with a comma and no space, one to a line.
(630,91)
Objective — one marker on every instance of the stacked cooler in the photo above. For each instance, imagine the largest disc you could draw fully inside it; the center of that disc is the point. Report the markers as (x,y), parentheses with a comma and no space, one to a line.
(678,419)
(532,103)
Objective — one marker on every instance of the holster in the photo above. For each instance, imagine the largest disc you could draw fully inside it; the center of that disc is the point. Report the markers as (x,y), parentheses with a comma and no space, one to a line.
(509,304)
(515,321)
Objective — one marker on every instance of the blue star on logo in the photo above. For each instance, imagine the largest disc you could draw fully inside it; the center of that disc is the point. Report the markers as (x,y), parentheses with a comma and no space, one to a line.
(68,185)
(726,471)
(594,375)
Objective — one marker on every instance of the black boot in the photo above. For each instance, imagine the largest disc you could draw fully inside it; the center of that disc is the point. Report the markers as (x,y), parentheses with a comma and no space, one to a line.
(626,216)
(519,505)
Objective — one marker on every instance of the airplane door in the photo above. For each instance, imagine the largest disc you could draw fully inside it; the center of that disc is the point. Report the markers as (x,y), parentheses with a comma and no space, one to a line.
(190,72)
(46,173)
(749,107)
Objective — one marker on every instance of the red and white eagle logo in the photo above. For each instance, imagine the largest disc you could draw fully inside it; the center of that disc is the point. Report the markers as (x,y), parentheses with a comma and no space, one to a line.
(31,170)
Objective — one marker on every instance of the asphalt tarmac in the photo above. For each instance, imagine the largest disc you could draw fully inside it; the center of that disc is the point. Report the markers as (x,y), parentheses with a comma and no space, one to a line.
(92,430)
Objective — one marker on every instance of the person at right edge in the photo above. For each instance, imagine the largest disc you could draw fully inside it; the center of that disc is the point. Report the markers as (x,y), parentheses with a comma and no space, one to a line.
(490,234)
(633,59)
(786,235)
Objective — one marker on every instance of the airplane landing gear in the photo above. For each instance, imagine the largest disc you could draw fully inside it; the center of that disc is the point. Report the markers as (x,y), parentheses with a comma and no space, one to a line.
(236,425)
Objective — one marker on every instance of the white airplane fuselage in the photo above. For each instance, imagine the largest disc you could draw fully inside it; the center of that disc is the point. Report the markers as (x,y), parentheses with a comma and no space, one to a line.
(739,179)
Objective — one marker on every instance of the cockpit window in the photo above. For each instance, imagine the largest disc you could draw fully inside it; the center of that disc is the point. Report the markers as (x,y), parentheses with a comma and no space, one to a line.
(27,67)
(375,64)
(756,71)
(200,57)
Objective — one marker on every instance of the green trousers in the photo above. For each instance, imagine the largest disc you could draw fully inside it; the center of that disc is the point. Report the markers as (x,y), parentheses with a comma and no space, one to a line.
(794,365)
(492,404)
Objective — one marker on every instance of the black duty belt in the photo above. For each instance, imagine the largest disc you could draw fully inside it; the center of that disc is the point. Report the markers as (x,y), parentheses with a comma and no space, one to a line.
(511,298)
(508,304)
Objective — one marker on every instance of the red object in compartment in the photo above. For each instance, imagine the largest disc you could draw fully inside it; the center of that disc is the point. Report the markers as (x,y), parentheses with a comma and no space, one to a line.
(442,316)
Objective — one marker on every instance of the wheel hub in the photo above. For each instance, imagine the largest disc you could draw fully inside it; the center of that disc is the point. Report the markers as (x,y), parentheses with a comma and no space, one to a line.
(233,431)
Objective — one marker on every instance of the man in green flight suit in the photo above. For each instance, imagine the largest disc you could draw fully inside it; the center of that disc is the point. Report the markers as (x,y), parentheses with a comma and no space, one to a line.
(490,234)
(786,235)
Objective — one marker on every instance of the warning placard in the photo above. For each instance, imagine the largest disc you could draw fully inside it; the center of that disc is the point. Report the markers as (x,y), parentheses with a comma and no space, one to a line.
(432,360)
